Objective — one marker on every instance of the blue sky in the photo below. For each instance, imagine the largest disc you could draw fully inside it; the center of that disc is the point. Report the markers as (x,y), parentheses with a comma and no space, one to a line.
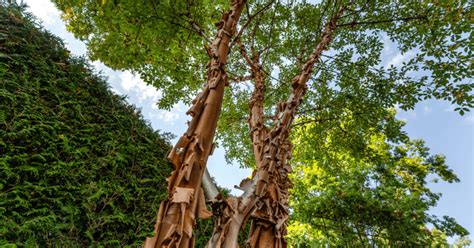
(443,130)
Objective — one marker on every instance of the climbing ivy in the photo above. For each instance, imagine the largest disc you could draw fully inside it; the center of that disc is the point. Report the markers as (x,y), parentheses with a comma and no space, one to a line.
(78,165)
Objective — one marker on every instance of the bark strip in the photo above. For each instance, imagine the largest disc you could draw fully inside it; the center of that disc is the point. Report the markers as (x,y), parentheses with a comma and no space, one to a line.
(234,212)
(177,214)
(271,214)
(258,130)
(266,197)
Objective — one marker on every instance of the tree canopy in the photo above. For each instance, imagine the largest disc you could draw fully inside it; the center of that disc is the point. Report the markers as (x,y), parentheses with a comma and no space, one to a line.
(349,95)
(166,44)
(376,194)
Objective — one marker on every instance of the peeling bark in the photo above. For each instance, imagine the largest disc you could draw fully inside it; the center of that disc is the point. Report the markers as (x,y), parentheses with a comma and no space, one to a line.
(234,212)
(177,214)
(265,200)
(271,210)
(258,130)
(271,215)
(210,189)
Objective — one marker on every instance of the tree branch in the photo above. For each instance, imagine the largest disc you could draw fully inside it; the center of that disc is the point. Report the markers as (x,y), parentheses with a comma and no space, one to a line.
(288,109)
(249,20)
(210,189)
(158,17)
(318,120)
(196,28)
(272,188)
(270,35)
(244,54)
(239,79)
(256,122)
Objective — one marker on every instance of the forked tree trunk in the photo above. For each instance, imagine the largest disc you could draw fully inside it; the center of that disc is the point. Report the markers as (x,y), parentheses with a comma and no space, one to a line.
(265,200)
(177,214)
(270,218)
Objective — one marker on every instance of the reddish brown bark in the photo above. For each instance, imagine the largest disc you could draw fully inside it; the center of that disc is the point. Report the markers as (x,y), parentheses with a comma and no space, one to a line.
(258,130)
(185,202)
(233,211)
(271,157)
(265,197)
(270,217)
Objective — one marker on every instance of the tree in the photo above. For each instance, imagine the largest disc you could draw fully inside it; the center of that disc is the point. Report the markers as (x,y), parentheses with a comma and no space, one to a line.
(79,166)
(374,195)
(462,242)
(305,60)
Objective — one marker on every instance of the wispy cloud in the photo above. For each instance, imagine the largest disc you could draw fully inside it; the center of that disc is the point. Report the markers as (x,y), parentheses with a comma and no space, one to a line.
(399,58)
(44,10)
(168,116)
(171,116)
(132,84)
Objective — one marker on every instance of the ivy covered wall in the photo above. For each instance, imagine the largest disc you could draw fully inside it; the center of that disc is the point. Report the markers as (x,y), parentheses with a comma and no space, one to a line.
(78,165)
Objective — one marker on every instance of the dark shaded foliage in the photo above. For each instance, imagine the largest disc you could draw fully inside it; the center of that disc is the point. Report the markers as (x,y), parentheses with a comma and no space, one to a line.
(78,165)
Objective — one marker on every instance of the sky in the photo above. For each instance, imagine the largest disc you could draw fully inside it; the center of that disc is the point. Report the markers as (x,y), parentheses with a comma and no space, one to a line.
(444,131)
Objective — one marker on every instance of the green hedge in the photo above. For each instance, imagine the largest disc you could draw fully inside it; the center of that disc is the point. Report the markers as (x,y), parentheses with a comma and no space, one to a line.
(78,165)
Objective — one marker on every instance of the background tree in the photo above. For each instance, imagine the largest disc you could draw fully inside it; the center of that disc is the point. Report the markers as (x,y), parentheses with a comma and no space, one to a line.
(307,62)
(78,165)
(462,242)
(374,195)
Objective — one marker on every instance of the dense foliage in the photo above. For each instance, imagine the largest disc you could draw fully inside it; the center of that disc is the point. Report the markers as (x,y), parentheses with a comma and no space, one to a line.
(153,37)
(78,165)
(375,193)
(164,43)
(346,114)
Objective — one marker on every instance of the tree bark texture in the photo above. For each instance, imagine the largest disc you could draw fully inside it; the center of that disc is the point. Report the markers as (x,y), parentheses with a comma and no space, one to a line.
(177,215)
(233,211)
(265,200)
(270,218)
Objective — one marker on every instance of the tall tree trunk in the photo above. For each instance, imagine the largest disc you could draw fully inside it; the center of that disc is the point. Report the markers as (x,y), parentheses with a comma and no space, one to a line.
(233,213)
(266,195)
(270,218)
(185,202)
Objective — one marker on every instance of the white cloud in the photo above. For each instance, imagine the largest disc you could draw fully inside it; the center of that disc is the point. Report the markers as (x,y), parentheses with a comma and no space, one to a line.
(407,115)
(133,84)
(128,81)
(399,58)
(50,17)
(389,46)
(44,10)
(99,66)
(115,91)
(171,116)
(168,116)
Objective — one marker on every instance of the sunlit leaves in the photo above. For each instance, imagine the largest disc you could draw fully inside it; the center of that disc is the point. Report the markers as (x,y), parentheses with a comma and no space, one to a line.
(157,40)
(375,193)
